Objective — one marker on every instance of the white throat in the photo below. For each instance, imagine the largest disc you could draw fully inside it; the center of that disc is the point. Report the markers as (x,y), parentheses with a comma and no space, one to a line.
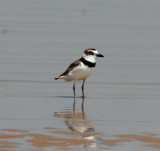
(90,58)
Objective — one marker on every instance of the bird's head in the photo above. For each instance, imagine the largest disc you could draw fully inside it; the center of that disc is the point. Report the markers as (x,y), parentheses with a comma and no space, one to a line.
(91,54)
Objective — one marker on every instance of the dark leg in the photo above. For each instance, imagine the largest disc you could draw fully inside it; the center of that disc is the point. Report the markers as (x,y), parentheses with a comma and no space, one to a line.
(83,88)
(74,93)
(74,90)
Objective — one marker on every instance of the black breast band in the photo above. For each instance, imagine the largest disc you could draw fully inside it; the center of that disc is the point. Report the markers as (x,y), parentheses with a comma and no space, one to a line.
(89,64)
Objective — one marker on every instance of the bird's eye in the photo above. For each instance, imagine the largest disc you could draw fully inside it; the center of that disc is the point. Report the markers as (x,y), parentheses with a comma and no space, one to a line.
(90,53)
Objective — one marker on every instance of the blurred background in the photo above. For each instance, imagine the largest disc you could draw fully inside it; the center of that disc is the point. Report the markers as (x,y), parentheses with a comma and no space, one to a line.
(37,36)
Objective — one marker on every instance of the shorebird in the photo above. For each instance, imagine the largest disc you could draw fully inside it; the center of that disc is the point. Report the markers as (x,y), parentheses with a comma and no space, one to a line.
(81,69)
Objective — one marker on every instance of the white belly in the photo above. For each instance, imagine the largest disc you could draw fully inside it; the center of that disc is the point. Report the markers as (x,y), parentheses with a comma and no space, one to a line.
(79,73)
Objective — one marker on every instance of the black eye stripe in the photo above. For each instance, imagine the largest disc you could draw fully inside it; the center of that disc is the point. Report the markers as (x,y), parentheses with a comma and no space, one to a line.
(90,53)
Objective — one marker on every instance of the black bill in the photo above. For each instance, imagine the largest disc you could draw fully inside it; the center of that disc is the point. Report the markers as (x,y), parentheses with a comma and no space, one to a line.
(100,55)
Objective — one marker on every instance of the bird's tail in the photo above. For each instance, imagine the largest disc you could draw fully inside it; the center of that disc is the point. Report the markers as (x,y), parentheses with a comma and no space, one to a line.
(58,78)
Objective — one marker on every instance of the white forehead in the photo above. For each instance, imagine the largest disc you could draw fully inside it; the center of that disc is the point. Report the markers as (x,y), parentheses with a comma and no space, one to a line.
(95,51)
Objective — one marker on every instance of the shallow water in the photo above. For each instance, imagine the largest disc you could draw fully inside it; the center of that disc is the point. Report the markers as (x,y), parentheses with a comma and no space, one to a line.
(121,109)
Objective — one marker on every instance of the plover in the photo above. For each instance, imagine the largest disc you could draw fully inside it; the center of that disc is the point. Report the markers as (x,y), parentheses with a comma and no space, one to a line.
(81,69)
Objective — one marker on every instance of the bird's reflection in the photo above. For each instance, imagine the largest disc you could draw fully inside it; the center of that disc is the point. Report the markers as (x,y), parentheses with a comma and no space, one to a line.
(78,122)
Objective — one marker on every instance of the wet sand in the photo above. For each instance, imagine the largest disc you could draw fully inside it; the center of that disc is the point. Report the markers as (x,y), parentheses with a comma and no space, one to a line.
(39,39)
